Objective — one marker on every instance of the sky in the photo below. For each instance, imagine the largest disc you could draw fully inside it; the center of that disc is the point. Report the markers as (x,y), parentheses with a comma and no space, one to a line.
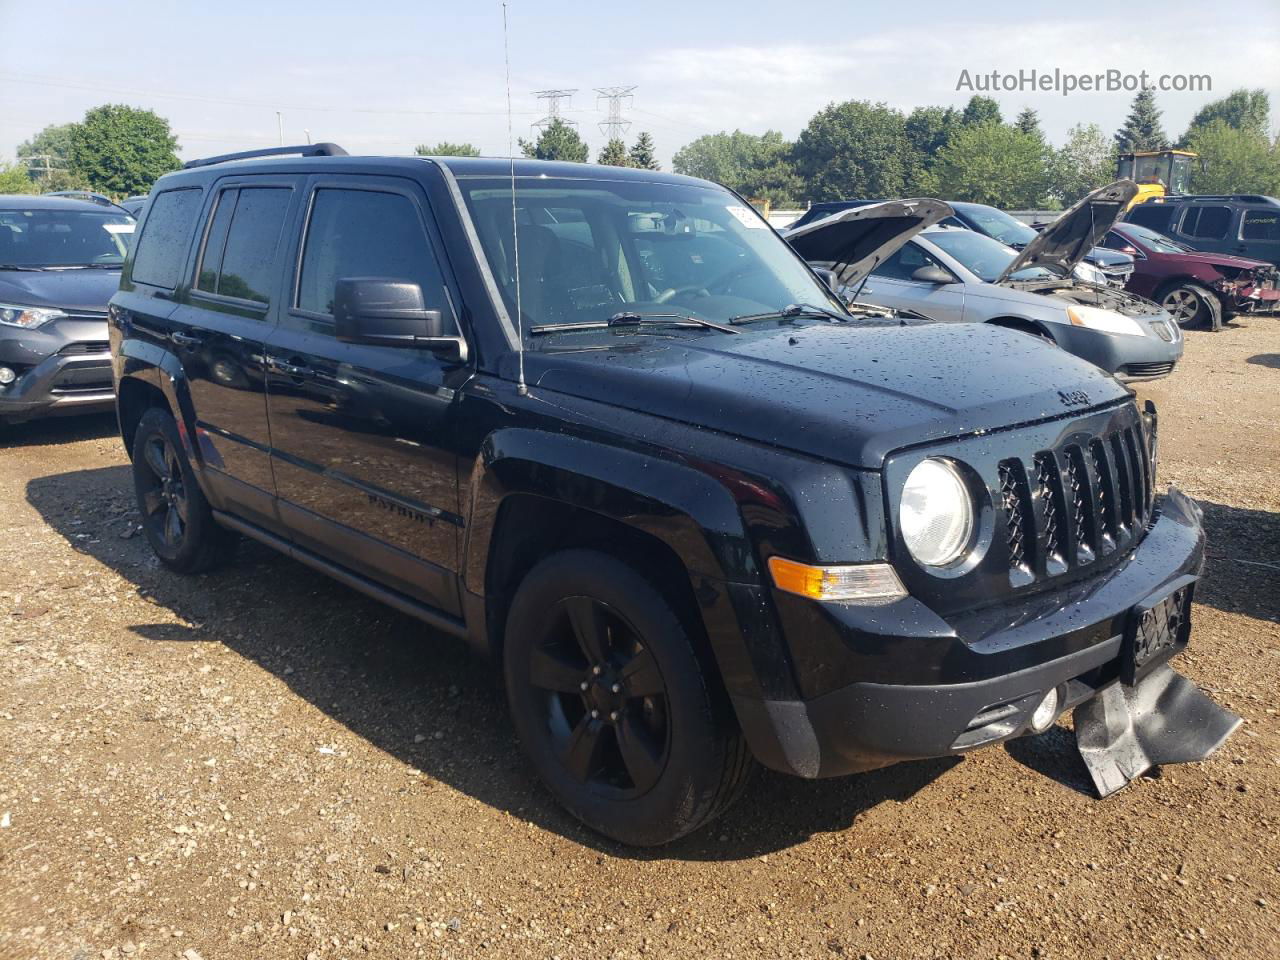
(382,76)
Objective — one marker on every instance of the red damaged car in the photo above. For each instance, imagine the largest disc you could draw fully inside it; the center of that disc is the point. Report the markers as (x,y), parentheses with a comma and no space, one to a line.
(1198,289)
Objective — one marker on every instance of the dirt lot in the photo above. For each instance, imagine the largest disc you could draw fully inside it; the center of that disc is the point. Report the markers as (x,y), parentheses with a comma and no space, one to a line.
(260,763)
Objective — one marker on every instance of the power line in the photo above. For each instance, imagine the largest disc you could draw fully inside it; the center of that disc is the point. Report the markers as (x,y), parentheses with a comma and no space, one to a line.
(615,126)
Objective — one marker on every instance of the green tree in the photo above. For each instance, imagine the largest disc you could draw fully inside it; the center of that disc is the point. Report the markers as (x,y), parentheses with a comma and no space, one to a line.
(994,163)
(981,110)
(928,129)
(758,167)
(1028,121)
(857,149)
(643,154)
(557,141)
(123,150)
(1236,160)
(50,147)
(1142,129)
(1085,162)
(14,178)
(446,149)
(1243,109)
(614,154)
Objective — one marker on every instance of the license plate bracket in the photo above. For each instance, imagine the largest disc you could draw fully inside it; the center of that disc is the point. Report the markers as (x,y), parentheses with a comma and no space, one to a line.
(1156,629)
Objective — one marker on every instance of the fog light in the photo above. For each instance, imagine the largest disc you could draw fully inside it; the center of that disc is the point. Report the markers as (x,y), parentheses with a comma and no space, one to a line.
(7,376)
(1046,712)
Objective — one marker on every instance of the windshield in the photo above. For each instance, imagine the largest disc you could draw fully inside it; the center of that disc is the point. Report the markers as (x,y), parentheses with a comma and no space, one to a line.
(63,237)
(1000,226)
(981,255)
(1155,241)
(591,249)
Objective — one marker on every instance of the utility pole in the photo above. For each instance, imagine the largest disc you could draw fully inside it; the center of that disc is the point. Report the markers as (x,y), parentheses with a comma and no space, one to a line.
(280,126)
(553,98)
(614,126)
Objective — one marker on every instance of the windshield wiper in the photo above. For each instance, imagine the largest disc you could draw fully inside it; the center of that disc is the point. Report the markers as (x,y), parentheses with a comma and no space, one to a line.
(629,318)
(789,311)
(18,266)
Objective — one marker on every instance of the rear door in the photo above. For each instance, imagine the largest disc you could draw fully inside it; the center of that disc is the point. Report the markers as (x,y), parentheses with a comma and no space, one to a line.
(891,285)
(218,331)
(363,436)
(1260,234)
(1208,227)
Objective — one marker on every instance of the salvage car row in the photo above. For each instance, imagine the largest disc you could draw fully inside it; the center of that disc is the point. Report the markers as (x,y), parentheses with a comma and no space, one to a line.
(706,505)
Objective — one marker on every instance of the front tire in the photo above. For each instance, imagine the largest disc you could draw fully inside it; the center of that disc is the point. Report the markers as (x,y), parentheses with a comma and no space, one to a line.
(620,717)
(176,518)
(1192,306)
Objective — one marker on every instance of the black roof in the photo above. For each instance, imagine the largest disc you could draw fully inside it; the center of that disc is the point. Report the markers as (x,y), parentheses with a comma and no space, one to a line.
(458,166)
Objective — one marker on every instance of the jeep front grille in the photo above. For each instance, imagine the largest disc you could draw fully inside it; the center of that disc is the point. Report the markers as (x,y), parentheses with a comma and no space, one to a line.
(1072,505)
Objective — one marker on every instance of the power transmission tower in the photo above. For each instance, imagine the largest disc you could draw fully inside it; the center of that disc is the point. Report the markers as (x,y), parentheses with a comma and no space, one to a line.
(614,126)
(553,98)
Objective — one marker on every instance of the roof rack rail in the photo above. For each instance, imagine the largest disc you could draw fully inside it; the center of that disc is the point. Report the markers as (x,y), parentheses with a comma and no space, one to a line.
(301,150)
(88,196)
(1239,197)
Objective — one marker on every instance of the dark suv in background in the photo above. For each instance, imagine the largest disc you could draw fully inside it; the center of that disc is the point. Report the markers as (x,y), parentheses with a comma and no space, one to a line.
(60,260)
(605,424)
(1242,225)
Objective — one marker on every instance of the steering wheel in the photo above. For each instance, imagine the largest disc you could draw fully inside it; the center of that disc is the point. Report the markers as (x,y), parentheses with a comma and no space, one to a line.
(704,290)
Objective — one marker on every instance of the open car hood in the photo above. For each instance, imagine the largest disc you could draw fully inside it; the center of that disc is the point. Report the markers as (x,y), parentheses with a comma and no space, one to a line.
(1068,240)
(853,242)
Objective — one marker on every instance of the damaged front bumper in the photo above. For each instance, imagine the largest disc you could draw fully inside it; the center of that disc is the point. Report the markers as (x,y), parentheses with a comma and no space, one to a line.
(1112,677)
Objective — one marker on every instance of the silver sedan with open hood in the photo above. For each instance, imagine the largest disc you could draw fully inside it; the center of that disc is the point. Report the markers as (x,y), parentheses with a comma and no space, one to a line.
(952,274)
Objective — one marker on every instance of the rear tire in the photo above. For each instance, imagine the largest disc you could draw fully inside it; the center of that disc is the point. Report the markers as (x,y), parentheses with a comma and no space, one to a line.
(1192,306)
(661,755)
(176,518)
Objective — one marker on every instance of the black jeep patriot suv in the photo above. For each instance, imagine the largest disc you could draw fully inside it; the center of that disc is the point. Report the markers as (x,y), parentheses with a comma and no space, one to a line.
(607,426)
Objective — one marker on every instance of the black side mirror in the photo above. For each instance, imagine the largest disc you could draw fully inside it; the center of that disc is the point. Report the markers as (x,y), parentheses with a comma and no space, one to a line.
(932,274)
(389,313)
(826,276)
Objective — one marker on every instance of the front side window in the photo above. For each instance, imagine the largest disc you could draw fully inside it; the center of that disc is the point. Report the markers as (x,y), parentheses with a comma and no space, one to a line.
(1157,216)
(366,233)
(166,234)
(586,250)
(904,262)
(240,257)
(1260,225)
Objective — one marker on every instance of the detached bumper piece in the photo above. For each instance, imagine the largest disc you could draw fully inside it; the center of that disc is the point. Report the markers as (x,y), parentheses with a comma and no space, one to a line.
(1126,730)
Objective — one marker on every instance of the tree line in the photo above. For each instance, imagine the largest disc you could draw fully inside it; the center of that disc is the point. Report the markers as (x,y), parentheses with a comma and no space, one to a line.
(855,148)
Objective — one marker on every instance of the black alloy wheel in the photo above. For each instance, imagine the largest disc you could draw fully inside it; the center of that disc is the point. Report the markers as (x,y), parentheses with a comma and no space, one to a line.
(604,702)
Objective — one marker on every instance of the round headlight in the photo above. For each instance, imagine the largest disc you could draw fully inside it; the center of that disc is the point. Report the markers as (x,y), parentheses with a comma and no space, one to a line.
(936,515)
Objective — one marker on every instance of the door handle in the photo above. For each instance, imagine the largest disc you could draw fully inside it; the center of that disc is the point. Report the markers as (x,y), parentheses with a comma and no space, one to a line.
(185,339)
(289,368)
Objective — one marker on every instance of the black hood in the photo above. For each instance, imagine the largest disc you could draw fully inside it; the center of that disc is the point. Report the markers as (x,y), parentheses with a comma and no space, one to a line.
(853,242)
(848,393)
(1071,238)
(78,291)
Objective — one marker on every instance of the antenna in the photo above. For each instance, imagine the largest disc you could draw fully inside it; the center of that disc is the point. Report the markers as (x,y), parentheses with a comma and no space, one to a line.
(521,387)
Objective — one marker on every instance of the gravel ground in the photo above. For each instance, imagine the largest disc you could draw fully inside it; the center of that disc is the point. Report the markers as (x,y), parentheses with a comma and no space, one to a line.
(261,763)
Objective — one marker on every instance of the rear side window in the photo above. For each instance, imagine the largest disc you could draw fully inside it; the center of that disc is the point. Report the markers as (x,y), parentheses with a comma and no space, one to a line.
(1157,216)
(364,233)
(1260,225)
(240,251)
(162,249)
(1206,223)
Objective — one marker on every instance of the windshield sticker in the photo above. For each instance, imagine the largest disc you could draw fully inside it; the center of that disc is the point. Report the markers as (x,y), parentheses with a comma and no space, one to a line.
(746,217)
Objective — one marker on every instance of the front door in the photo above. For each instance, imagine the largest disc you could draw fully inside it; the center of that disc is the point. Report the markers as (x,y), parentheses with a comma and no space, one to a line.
(362,436)
(891,285)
